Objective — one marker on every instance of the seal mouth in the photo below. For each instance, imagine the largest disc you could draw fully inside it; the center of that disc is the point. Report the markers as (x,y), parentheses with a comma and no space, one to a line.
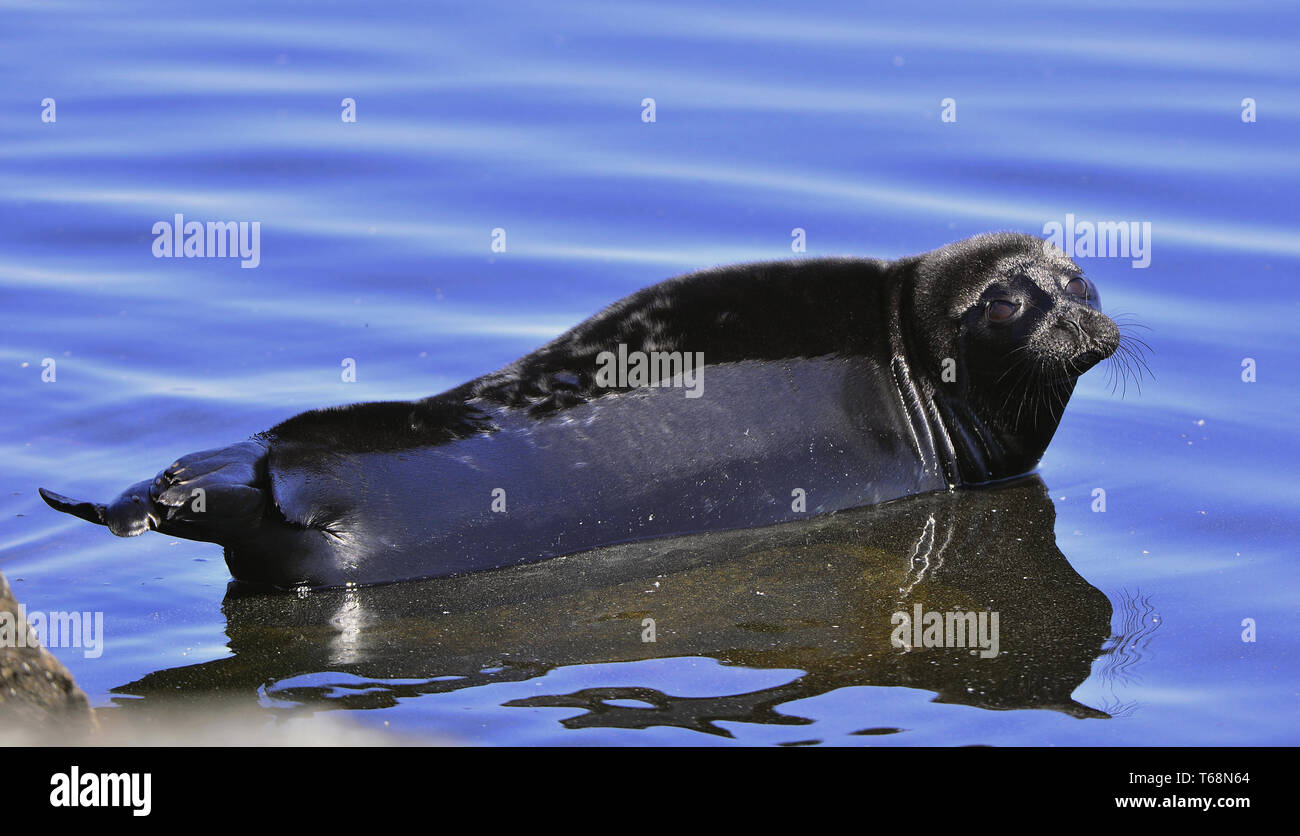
(1064,367)
(1095,337)
(1087,358)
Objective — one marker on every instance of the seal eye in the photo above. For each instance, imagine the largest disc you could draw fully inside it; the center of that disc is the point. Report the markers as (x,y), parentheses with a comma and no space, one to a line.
(1078,286)
(1000,310)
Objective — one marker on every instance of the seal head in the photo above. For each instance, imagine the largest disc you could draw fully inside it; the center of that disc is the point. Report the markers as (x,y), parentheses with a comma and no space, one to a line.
(999,329)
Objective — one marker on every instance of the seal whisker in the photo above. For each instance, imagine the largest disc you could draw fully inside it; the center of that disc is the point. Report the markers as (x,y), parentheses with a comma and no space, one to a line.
(1133,352)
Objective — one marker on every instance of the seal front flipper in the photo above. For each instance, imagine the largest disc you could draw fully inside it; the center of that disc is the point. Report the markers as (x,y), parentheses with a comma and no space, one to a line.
(214,496)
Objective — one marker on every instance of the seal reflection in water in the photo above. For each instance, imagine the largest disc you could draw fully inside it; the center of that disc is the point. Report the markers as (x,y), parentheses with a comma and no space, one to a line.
(838,382)
(830,588)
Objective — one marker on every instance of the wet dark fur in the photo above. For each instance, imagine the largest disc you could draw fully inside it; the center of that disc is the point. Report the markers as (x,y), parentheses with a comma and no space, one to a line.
(812,307)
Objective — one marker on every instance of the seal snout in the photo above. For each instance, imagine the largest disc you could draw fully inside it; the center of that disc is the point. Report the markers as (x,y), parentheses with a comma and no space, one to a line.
(1099,336)
(1079,339)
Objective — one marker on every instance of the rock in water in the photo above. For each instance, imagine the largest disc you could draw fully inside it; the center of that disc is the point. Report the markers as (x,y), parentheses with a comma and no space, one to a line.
(38,696)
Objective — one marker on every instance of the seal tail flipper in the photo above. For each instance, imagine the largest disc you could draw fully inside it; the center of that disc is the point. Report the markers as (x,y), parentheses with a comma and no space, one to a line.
(215,496)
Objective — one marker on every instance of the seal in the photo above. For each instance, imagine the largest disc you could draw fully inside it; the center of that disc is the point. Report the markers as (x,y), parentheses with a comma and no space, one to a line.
(831,383)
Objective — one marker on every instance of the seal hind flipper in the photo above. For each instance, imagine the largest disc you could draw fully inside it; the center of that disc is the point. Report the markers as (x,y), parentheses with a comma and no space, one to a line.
(213,495)
(128,515)
(213,485)
(88,511)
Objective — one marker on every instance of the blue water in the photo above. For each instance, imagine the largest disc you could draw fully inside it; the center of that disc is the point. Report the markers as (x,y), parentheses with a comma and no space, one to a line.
(376,245)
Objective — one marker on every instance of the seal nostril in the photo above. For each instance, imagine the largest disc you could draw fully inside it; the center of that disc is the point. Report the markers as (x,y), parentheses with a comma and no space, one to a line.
(1078,329)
